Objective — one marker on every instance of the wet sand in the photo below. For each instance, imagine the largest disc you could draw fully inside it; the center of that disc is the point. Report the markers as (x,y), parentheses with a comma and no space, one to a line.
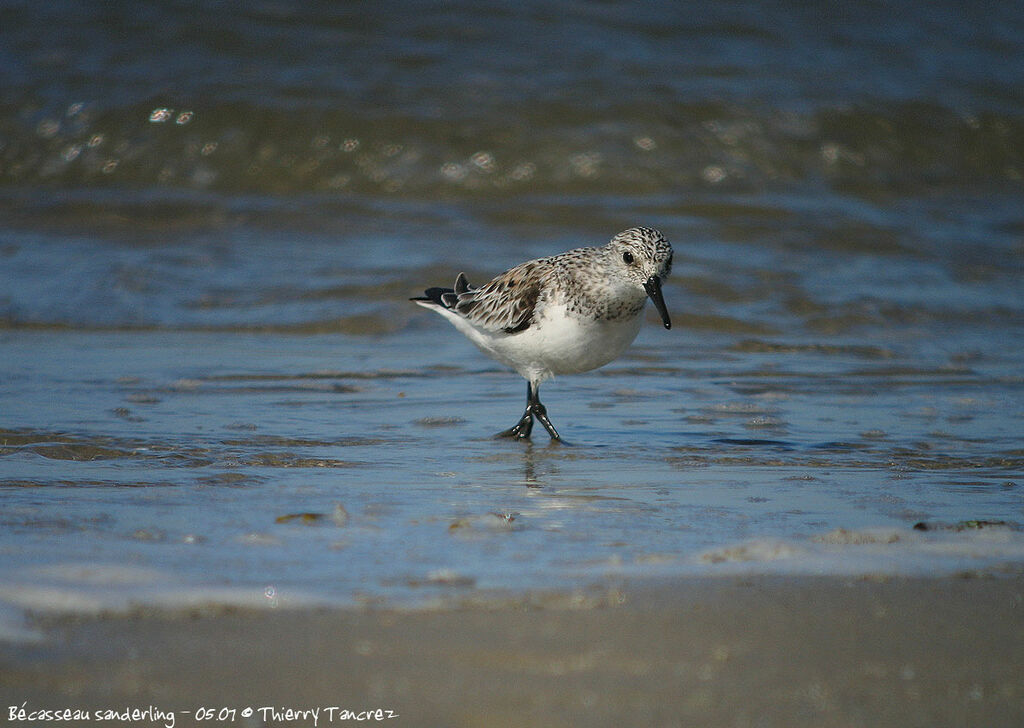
(764,651)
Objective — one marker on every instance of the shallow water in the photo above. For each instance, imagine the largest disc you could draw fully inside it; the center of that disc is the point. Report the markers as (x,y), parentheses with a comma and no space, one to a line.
(213,387)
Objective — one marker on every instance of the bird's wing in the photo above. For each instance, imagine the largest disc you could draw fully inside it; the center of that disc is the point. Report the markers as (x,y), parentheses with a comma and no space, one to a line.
(505,304)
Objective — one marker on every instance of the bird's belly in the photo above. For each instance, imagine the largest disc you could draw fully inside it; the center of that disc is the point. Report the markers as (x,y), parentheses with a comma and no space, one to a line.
(561,344)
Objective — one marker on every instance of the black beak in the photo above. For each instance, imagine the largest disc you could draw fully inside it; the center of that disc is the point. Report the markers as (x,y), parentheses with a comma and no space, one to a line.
(653,288)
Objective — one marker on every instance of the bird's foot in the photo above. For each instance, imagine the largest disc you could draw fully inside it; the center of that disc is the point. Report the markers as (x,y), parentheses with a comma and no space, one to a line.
(521,430)
(541,413)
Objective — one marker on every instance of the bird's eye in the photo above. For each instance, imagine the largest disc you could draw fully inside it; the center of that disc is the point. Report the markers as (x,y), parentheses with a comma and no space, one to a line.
(627,257)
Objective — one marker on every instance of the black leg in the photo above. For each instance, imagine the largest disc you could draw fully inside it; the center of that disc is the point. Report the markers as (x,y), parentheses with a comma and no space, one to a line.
(540,411)
(522,429)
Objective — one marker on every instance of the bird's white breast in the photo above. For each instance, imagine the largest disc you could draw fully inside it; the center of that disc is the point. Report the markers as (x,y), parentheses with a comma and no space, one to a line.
(560,342)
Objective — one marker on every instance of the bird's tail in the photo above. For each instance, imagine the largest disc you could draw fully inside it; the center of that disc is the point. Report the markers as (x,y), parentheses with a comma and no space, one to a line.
(445,297)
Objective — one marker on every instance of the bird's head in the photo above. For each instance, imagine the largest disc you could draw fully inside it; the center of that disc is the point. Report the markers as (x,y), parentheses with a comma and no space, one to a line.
(645,258)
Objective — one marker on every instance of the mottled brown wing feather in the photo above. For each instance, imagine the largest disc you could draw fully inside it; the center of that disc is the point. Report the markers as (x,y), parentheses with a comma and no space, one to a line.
(506,303)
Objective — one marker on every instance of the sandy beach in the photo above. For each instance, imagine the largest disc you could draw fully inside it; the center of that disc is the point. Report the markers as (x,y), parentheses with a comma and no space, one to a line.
(729,652)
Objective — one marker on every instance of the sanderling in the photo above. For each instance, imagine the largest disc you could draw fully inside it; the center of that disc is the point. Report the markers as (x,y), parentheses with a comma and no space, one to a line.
(563,314)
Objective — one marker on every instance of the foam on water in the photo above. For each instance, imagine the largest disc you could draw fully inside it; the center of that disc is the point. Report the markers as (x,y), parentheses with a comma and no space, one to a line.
(875,552)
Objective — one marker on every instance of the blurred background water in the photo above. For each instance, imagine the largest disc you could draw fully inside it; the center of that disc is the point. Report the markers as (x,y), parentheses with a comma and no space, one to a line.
(212,215)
